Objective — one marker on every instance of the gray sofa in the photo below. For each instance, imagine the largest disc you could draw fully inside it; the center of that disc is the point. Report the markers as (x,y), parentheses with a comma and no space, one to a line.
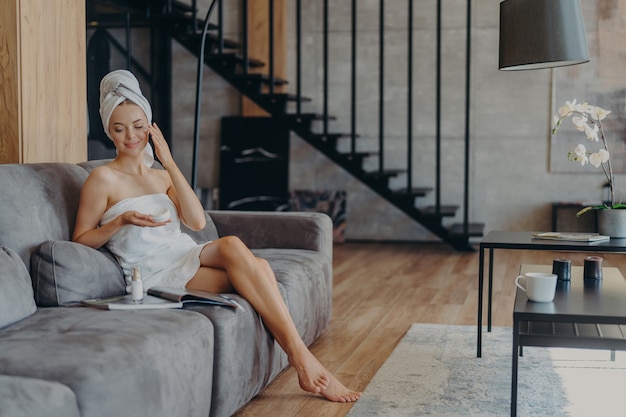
(60,359)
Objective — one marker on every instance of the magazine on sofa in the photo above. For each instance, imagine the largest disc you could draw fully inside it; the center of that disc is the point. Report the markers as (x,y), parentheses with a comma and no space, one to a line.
(160,298)
(183,295)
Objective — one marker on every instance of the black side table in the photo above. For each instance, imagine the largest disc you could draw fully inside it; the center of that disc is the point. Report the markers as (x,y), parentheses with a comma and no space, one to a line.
(524,240)
(588,314)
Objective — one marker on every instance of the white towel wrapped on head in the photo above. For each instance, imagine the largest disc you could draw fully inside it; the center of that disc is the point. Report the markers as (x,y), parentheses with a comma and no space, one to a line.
(116,87)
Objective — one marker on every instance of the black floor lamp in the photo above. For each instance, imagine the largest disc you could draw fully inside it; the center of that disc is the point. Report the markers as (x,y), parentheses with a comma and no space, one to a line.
(196,130)
(536,34)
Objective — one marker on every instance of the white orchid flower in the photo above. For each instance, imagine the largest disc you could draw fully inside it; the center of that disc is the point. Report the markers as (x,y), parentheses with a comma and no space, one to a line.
(588,119)
(595,159)
(592,132)
(598,113)
(579,122)
(583,107)
(568,108)
(598,158)
(581,154)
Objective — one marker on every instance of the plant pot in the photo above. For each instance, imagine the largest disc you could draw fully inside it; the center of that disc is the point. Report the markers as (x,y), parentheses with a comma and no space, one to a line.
(612,222)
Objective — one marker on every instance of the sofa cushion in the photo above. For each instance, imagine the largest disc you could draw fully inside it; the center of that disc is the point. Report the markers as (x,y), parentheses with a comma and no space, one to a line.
(65,272)
(16,297)
(39,203)
(30,397)
(141,363)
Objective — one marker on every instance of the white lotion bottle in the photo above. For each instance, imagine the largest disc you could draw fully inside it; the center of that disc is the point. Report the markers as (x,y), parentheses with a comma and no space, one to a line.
(136,285)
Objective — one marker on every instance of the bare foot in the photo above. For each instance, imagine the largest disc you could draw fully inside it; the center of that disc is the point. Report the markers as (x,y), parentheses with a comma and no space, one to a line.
(336,391)
(315,378)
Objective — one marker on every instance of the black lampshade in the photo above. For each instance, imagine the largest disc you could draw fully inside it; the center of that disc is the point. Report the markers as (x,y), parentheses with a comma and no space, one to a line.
(537,34)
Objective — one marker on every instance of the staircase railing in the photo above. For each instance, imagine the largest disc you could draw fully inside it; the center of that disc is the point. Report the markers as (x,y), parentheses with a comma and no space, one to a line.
(236,68)
(380,151)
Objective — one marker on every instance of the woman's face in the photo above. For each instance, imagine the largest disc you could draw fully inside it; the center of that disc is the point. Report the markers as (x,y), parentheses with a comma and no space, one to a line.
(128,128)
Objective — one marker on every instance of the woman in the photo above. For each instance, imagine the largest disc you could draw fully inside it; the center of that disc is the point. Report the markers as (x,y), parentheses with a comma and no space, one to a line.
(124,193)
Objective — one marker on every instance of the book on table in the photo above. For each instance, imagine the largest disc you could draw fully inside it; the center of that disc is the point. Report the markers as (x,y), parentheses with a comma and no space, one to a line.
(571,236)
(161,298)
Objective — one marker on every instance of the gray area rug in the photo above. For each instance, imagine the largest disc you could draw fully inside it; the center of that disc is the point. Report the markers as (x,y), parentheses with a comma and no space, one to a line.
(434,372)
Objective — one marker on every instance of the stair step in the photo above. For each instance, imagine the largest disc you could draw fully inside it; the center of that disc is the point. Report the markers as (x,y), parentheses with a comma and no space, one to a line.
(330,140)
(183,24)
(254,82)
(474,229)
(461,240)
(277,102)
(327,136)
(233,57)
(302,122)
(227,64)
(355,159)
(444,210)
(414,192)
(280,98)
(357,156)
(307,116)
(384,175)
(192,42)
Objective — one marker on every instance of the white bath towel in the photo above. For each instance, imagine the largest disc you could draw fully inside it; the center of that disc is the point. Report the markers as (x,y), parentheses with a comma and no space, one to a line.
(116,87)
(165,255)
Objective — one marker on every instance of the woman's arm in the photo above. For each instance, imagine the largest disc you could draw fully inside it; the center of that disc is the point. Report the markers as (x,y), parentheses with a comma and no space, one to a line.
(185,199)
(91,207)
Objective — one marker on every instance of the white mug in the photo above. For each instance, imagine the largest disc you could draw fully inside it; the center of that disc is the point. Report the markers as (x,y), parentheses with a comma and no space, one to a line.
(538,286)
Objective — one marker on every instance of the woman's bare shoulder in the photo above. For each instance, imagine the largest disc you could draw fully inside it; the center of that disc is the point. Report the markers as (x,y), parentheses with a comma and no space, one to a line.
(101,176)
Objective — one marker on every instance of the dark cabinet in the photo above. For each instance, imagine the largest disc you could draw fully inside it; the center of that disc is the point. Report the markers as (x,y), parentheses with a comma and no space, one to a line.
(254,164)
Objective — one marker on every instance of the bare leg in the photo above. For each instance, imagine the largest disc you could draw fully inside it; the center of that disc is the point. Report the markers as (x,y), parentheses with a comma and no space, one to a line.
(228,264)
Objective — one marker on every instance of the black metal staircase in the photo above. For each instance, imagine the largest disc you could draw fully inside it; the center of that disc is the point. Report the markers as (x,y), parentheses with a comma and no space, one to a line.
(231,61)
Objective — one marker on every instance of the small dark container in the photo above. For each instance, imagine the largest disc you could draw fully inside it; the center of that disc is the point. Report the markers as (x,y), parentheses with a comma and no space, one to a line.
(562,268)
(593,267)
(564,286)
(592,285)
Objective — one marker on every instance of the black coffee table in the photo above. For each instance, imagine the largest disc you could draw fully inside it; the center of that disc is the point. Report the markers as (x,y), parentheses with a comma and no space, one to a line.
(524,240)
(589,314)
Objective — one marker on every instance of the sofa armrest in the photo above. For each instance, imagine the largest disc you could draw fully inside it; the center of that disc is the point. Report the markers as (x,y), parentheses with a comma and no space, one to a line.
(289,230)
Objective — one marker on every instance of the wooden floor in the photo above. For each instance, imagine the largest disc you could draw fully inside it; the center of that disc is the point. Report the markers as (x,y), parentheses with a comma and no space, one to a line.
(379,291)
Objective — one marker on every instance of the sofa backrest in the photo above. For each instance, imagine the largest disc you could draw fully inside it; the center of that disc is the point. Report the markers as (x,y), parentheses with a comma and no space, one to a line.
(38,202)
